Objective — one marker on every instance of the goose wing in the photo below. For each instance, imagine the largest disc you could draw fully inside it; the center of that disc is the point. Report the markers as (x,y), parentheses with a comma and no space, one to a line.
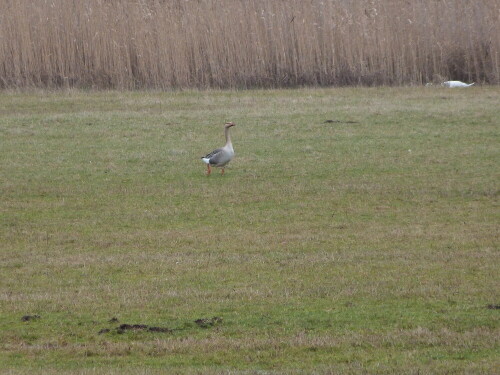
(214,156)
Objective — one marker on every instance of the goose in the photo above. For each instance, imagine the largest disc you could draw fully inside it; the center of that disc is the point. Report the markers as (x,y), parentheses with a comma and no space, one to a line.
(456,84)
(221,156)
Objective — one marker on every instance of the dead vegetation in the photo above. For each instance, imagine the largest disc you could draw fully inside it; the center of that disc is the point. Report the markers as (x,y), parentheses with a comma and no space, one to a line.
(241,44)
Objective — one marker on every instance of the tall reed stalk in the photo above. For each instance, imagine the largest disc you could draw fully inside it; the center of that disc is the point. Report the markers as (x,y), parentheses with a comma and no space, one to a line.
(165,44)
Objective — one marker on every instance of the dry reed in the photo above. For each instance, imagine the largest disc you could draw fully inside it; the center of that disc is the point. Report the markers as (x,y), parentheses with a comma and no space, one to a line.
(130,44)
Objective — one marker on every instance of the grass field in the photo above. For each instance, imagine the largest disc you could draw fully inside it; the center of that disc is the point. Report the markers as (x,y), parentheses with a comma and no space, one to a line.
(366,244)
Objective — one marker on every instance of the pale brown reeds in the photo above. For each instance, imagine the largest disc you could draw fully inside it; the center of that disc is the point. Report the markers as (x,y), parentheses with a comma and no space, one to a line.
(246,43)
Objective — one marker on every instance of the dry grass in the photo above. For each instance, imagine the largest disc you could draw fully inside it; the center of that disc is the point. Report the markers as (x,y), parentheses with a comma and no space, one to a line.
(241,44)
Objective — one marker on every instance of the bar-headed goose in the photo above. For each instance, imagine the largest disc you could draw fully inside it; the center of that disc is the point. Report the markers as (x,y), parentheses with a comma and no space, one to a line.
(221,156)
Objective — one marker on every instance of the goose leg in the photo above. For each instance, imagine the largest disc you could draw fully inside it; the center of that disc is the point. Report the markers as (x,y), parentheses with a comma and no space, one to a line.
(209,170)
(222,172)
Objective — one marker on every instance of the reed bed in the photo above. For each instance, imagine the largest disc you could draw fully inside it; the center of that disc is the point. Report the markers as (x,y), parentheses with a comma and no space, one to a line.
(127,44)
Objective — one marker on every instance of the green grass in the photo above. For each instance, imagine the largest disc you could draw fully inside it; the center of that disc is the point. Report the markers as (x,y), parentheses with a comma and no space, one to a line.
(365,245)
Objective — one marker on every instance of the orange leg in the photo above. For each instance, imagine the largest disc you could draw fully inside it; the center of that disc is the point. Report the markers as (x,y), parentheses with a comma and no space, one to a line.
(222,172)
(209,170)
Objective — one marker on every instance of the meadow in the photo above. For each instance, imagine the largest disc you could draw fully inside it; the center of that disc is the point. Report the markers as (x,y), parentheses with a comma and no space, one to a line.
(356,231)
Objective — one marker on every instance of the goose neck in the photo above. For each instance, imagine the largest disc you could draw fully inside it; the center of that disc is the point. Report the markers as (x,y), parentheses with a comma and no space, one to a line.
(228,136)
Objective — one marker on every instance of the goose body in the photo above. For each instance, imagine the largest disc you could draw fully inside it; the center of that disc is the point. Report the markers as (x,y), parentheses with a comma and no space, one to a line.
(220,157)
(456,84)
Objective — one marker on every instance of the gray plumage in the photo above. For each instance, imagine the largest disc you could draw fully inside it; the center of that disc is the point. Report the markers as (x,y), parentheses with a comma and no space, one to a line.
(220,157)
(215,157)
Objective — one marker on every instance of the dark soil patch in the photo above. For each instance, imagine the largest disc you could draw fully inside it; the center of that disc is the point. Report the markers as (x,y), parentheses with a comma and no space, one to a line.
(130,327)
(113,320)
(207,323)
(122,328)
(493,307)
(339,227)
(27,318)
(340,122)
